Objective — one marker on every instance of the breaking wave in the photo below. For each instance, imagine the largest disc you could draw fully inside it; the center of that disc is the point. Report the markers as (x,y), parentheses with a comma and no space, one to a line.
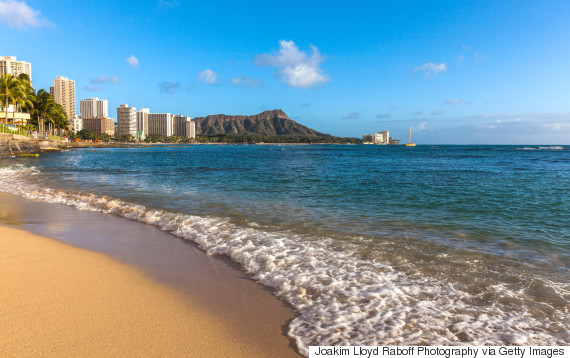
(555,147)
(346,297)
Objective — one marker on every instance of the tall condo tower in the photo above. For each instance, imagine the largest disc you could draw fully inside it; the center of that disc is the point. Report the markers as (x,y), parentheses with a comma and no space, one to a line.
(160,123)
(183,126)
(94,108)
(142,123)
(127,120)
(64,94)
(9,65)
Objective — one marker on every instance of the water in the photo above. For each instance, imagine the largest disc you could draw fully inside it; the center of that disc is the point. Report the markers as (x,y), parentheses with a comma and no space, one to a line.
(370,244)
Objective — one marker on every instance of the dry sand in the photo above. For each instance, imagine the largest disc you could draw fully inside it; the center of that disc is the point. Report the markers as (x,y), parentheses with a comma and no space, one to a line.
(59,300)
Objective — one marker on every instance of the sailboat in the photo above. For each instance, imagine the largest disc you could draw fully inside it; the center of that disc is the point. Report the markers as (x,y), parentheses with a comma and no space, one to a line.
(410,143)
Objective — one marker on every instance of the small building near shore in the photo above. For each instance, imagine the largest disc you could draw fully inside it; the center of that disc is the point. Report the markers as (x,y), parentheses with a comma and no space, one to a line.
(380,138)
(21,118)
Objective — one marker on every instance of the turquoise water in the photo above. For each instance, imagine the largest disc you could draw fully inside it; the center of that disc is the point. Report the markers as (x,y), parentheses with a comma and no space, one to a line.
(371,244)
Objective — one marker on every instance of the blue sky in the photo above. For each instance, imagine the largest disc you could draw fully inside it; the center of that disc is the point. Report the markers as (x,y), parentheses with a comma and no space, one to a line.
(457,72)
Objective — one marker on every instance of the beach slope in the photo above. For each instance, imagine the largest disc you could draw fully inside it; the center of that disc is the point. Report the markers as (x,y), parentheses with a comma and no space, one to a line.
(59,300)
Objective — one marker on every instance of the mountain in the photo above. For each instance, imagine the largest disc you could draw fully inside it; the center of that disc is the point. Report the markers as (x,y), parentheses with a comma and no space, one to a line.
(268,123)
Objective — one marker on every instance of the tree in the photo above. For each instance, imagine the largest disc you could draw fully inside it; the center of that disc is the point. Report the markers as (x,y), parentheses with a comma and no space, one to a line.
(44,109)
(86,134)
(58,118)
(14,90)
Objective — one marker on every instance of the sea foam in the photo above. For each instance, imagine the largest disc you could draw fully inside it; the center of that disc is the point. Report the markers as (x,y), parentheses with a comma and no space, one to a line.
(340,297)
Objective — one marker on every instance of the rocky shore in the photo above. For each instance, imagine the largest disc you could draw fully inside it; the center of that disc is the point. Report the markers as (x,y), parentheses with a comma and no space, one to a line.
(13,144)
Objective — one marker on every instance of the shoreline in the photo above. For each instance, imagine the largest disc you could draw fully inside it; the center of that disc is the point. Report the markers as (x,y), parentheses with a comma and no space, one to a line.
(239,308)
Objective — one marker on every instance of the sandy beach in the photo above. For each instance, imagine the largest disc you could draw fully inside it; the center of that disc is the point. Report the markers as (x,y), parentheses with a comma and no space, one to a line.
(60,300)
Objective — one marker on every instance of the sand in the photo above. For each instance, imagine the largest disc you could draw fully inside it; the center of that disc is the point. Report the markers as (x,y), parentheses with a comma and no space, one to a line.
(59,300)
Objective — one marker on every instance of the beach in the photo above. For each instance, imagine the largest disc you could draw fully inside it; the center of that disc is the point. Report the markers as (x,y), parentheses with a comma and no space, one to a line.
(62,300)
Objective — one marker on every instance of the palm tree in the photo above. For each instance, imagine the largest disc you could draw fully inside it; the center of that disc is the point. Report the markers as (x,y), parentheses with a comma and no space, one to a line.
(22,96)
(44,108)
(16,90)
(9,85)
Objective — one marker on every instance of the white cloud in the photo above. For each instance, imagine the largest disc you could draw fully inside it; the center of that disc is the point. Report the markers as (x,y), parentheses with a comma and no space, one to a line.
(18,15)
(169,87)
(431,68)
(422,126)
(92,88)
(352,115)
(479,57)
(168,4)
(295,68)
(133,61)
(454,101)
(104,79)
(246,81)
(208,77)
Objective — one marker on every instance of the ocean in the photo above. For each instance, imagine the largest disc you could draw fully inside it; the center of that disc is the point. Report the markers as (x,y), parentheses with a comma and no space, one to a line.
(371,245)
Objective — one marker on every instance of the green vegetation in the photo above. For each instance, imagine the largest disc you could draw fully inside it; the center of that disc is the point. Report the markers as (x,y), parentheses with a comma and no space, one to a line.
(225,138)
(41,106)
(156,138)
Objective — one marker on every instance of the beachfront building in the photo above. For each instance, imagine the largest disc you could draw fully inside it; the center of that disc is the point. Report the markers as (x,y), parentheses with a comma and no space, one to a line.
(94,108)
(183,126)
(77,124)
(9,65)
(126,120)
(101,125)
(14,116)
(64,95)
(382,138)
(160,124)
(142,123)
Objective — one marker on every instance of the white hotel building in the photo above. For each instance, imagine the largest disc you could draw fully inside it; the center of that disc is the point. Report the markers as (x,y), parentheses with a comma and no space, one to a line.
(160,123)
(142,123)
(127,120)
(94,108)
(9,65)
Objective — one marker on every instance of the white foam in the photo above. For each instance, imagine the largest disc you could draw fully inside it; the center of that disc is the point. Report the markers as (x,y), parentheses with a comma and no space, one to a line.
(554,147)
(341,299)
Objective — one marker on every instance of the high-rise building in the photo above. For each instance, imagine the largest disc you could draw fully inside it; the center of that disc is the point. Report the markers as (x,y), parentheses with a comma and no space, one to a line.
(77,124)
(382,137)
(101,125)
(94,108)
(183,126)
(9,65)
(126,120)
(64,94)
(160,123)
(142,123)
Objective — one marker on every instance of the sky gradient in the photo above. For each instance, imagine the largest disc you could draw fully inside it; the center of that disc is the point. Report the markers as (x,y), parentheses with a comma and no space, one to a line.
(457,72)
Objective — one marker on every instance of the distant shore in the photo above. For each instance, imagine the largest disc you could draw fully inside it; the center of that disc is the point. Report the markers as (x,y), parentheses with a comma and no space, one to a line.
(61,300)
(29,147)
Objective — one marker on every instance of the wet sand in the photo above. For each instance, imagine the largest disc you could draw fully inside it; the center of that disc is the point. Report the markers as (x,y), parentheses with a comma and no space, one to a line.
(150,294)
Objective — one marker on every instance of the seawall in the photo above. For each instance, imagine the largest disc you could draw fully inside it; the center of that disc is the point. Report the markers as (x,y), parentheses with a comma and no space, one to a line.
(11,144)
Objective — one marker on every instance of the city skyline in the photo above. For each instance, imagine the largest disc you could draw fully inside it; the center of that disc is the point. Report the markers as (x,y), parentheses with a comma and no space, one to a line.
(491,73)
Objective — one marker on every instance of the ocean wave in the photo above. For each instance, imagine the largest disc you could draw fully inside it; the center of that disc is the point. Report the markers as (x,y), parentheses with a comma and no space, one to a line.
(340,297)
(555,147)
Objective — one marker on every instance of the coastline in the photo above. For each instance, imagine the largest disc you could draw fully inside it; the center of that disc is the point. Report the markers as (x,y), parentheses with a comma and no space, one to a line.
(195,304)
